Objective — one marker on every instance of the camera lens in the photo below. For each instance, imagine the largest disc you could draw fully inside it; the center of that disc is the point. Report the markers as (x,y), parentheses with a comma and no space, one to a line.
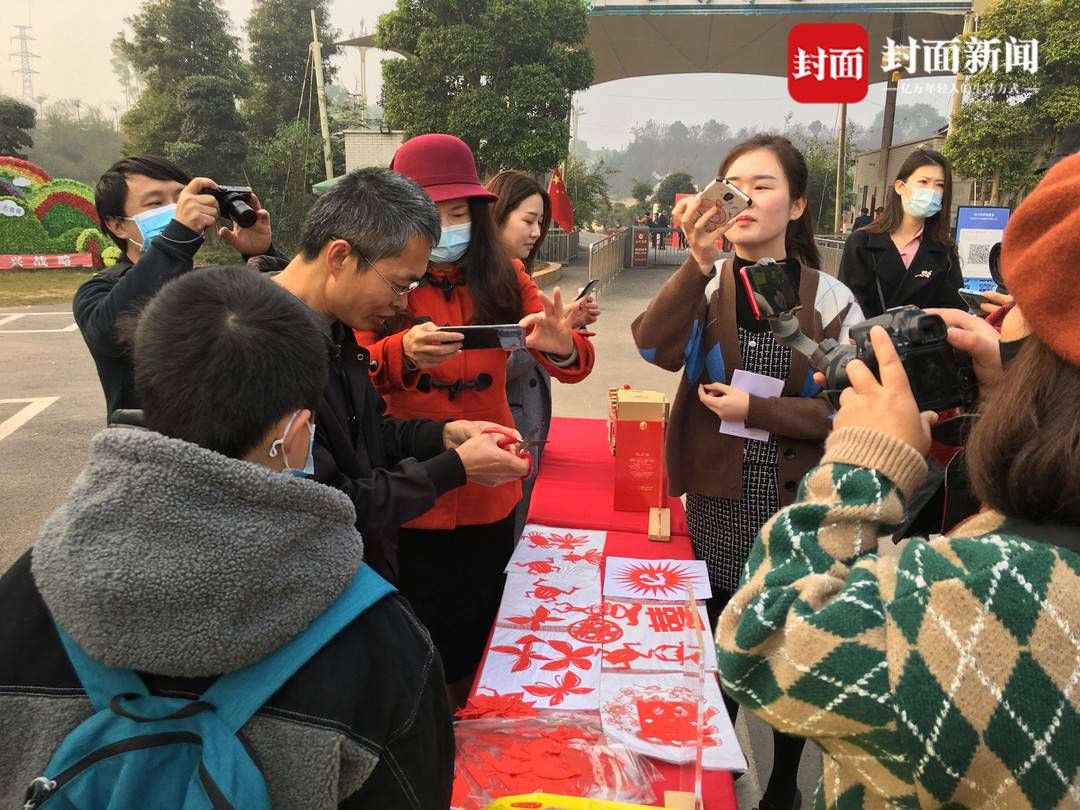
(728,197)
(240,212)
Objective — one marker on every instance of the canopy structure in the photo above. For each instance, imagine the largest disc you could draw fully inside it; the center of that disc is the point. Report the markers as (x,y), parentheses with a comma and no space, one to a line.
(653,37)
(630,38)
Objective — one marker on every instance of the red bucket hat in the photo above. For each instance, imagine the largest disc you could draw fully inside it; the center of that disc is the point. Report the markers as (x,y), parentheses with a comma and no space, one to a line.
(442,165)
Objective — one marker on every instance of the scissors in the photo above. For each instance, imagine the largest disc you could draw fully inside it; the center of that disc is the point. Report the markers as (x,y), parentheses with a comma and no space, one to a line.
(509,440)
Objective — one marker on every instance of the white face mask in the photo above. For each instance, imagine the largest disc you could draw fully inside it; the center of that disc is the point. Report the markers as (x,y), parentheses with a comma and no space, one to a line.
(308,469)
(151,223)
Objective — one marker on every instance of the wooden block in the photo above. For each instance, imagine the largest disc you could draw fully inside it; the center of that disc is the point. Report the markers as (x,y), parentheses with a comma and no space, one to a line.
(679,800)
(660,524)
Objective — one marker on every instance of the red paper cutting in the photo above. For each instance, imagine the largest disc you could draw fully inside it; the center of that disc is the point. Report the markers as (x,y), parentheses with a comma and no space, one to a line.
(510,705)
(524,653)
(568,684)
(580,658)
(536,620)
(652,580)
(548,593)
(536,567)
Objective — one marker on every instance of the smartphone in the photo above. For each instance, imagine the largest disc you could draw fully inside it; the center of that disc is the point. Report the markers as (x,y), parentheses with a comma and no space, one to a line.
(973,299)
(770,290)
(730,198)
(588,288)
(506,336)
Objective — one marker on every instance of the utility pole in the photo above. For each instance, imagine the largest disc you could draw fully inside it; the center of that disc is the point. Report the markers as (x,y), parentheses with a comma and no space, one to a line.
(324,122)
(841,169)
(26,69)
(575,116)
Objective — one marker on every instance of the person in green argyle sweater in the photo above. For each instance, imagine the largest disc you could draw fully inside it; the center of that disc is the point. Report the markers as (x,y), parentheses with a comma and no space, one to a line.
(947,675)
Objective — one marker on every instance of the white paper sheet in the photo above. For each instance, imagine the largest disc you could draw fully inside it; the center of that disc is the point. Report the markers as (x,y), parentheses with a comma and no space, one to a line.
(757,385)
(552,669)
(656,636)
(539,603)
(628,578)
(558,553)
(656,715)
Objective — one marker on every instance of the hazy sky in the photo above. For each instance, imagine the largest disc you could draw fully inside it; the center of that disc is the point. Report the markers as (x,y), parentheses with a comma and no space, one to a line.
(73,36)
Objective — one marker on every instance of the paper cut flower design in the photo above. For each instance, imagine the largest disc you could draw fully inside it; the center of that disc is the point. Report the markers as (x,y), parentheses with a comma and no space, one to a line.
(564,686)
(568,541)
(580,658)
(596,630)
(524,654)
(536,620)
(509,705)
(656,580)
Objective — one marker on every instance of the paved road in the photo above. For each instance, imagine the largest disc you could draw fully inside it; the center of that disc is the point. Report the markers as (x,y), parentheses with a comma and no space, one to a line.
(41,367)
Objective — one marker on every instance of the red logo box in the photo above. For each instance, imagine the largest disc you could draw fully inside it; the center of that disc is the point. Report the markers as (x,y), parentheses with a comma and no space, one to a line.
(828,63)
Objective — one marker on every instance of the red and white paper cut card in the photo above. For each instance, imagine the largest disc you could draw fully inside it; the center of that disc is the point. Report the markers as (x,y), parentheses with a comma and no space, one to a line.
(552,669)
(657,637)
(627,578)
(657,715)
(539,603)
(558,553)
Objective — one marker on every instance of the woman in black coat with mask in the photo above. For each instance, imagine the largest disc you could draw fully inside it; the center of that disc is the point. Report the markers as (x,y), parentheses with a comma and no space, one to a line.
(907,255)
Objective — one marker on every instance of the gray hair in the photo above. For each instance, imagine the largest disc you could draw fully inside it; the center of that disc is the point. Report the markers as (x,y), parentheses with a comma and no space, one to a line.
(377,211)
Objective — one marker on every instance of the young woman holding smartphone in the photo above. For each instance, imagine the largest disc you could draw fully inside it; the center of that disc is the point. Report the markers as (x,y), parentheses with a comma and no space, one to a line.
(702,322)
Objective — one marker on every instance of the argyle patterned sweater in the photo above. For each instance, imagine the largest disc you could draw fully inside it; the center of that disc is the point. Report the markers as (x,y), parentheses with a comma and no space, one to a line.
(948,676)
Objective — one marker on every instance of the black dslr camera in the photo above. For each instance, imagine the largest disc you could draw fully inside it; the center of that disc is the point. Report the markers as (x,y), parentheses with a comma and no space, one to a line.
(940,376)
(234,202)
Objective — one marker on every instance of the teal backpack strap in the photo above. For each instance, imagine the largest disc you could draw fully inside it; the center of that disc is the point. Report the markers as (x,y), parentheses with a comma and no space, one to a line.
(101,682)
(238,695)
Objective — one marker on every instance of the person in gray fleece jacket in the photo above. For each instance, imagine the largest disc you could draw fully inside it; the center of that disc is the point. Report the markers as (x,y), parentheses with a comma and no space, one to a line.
(195,547)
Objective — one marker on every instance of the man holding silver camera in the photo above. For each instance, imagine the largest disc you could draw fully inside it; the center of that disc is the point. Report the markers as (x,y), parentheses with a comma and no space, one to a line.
(157,215)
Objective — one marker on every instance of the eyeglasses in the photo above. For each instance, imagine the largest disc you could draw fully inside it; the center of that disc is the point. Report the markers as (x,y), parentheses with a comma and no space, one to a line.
(398,290)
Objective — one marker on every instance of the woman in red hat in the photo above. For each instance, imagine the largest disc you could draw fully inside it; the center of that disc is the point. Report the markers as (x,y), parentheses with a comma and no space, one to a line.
(452,558)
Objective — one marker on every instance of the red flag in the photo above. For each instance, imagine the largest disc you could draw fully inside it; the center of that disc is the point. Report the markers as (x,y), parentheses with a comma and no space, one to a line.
(561,210)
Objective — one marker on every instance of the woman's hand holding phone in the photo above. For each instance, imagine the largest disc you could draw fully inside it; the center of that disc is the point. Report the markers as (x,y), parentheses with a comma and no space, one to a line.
(703,223)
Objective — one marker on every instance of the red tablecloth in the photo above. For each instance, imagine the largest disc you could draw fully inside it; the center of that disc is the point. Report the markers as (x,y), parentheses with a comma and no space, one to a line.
(575,490)
(576,486)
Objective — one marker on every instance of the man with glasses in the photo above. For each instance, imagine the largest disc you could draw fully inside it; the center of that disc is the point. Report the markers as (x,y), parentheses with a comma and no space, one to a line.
(364,247)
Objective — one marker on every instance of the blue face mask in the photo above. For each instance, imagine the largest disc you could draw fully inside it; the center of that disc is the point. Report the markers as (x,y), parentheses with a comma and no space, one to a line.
(308,469)
(923,202)
(452,244)
(151,223)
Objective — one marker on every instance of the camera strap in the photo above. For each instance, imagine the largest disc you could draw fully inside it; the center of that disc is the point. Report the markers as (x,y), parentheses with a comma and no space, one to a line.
(877,281)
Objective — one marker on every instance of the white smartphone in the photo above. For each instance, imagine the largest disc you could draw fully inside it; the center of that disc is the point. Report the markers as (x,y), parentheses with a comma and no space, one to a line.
(730,198)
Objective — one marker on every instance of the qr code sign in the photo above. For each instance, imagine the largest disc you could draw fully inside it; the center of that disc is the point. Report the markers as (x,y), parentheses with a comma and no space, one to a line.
(978,253)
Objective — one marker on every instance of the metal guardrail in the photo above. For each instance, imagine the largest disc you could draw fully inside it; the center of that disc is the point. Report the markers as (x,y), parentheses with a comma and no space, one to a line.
(831,249)
(559,246)
(607,258)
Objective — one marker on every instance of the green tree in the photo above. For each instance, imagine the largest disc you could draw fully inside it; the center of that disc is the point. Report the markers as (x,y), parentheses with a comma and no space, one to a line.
(211,138)
(819,146)
(641,191)
(282,171)
(674,183)
(279,36)
(172,41)
(588,191)
(16,121)
(1009,121)
(77,145)
(497,73)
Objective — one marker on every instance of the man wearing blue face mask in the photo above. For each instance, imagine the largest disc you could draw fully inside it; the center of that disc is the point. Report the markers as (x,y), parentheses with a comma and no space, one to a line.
(907,255)
(157,215)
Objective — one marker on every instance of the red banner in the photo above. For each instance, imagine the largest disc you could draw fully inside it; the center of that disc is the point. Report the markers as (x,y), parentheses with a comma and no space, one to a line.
(32,262)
